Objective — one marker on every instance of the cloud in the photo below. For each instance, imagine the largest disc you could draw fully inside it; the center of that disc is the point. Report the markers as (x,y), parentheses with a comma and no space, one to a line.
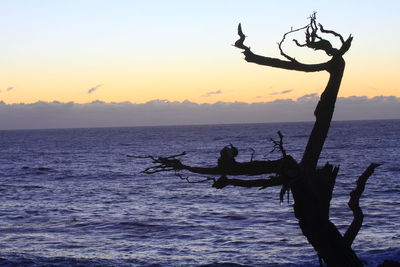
(308,97)
(91,90)
(8,89)
(281,92)
(55,114)
(217,92)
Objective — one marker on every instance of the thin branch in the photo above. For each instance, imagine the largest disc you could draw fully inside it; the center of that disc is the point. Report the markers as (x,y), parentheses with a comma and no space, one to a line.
(331,32)
(298,44)
(163,164)
(278,145)
(314,41)
(284,189)
(253,152)
(354,204)
(283,39)
(187,179)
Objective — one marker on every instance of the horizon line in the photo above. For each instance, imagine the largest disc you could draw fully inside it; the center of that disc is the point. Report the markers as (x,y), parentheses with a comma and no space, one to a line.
(191,125)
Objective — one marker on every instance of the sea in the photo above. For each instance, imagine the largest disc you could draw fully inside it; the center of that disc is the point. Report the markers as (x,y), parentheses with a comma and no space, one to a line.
(72,197)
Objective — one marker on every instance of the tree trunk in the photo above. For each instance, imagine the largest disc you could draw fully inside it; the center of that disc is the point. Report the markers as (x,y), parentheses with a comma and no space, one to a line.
(313,191)
(311,208)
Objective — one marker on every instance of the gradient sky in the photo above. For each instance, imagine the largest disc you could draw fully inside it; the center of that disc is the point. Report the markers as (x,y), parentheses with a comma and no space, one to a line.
(86,50)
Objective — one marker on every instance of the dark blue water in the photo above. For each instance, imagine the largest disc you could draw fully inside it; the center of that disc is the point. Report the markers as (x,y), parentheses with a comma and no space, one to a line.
(72,198)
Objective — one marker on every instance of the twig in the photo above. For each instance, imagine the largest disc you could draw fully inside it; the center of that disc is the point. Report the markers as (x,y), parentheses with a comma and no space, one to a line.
(186,178)
(278,145)
(314,41)
(169,163)
(253,152)
(283,39)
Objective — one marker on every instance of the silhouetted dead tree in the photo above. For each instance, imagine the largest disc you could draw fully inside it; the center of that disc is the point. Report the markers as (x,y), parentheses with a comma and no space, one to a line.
(311,186)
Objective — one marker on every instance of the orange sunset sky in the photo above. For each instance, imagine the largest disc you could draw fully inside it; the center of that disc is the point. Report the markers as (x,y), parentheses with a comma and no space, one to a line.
(139,51)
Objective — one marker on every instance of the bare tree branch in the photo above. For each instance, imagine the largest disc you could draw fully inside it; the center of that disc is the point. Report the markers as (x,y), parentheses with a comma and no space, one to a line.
(242,37)
(286,165)
(275,62)
(282,64)
(346,46)
(278,145)
(253,152)
(283,39)
(187,179)
(316,42)
(331,32)
(169,163)
(223,181)
(354,204)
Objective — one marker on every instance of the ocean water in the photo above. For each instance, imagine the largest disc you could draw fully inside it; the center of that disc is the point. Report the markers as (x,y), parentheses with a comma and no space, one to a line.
(72,197)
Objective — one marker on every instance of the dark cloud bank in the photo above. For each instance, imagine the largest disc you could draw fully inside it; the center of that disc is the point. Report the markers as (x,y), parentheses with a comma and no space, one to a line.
(41,115)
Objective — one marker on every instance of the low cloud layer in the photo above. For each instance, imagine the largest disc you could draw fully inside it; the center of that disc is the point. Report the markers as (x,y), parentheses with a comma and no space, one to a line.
(161,112)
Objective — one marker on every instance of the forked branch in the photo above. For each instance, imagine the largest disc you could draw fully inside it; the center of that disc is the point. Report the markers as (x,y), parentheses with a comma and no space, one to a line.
(284,166)
(354,204)
(278,145)
(290,64)
(283,39)
(313,40)
(170,163)
(316,42)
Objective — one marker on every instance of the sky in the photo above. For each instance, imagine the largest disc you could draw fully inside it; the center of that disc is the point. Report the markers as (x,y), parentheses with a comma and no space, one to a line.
(82,51)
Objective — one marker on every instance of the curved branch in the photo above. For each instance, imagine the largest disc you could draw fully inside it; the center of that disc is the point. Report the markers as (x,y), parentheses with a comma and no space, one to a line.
(331,32)
(242,37)
(323,115)
(275,62)
(283,39)
(354,204)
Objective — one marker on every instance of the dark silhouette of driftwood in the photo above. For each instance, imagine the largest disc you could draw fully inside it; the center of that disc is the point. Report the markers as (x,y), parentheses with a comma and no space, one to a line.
(311,186)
